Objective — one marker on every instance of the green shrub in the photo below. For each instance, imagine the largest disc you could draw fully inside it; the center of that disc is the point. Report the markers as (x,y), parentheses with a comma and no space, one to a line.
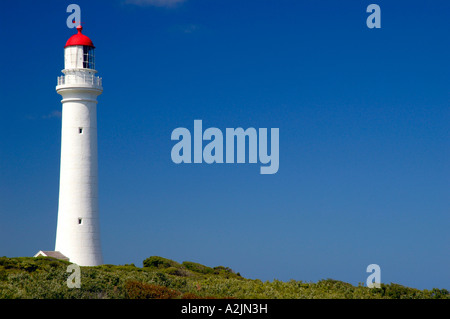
(181,272)
(8,263)
(140,290)
(3,275)
(27,277)
(160,262)
(439,293)
(29,267)
(226,272)
(222,269)
(196,267)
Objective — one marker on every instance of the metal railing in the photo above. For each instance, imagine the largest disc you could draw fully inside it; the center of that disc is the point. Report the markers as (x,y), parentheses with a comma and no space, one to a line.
(80,79)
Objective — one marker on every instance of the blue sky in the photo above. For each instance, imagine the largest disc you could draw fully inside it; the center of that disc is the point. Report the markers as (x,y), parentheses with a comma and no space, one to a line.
(363,116)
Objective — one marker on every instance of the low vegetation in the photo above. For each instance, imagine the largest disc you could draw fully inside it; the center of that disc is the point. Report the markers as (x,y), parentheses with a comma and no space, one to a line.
(161,278)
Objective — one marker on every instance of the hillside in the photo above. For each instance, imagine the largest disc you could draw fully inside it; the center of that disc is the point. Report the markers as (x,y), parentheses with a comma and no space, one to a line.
(160,278)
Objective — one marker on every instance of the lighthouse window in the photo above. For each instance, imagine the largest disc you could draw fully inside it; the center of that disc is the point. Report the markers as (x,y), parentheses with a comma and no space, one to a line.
(80,220)
(88,57)
(80,130)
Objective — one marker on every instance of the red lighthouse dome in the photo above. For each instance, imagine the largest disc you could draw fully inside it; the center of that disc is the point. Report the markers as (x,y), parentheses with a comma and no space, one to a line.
(79,39)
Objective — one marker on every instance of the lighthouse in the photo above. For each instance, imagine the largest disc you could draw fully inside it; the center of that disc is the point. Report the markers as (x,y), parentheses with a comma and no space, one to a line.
(78,226)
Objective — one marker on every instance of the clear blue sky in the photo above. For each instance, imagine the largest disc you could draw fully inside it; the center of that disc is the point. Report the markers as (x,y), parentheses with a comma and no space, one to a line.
(363,116)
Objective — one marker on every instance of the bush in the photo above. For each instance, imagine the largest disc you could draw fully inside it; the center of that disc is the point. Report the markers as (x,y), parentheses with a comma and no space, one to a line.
(3,275)
(222,269)
(29,267)
(42,277)
(439,293)
(195,267)
(160,262)
(140,290)
(190,295)
(8,263)
(182,272)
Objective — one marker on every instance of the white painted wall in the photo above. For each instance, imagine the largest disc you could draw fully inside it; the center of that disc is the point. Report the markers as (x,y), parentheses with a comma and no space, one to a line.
(73,57)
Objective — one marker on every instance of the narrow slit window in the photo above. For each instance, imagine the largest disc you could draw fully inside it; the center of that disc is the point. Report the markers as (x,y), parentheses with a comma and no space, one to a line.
(80,130)
(80,220)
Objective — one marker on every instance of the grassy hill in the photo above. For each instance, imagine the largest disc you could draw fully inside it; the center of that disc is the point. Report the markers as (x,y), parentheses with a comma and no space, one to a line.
(161,278)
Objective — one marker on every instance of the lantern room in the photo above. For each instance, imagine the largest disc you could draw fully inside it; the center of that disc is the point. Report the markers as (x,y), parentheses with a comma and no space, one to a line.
(79,52)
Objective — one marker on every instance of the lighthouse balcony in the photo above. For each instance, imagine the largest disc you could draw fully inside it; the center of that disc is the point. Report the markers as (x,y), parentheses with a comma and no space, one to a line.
(85,80)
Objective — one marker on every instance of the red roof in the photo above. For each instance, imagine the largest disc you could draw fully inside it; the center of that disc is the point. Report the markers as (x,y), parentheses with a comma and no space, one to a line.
(79,39)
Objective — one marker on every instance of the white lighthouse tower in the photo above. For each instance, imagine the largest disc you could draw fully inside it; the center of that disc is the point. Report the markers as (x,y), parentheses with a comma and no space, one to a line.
(78,229)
